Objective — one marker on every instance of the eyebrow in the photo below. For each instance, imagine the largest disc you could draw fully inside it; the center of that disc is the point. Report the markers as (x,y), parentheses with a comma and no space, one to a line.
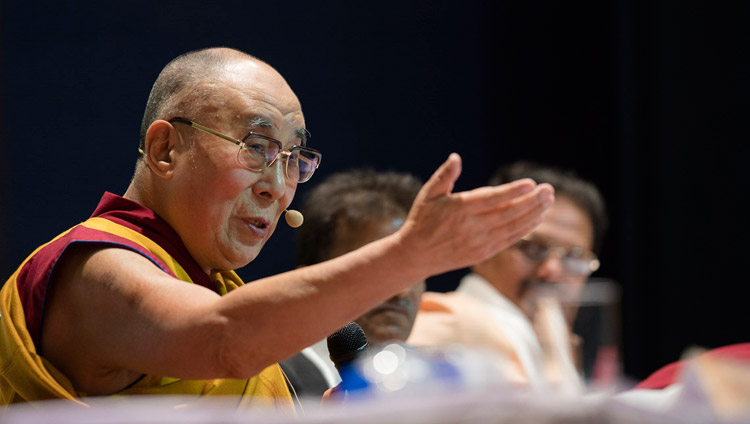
(258,121)
(302,133)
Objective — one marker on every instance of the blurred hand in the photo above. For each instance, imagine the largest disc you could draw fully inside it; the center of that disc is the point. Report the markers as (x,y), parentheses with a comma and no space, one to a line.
(334,396)
(446,231)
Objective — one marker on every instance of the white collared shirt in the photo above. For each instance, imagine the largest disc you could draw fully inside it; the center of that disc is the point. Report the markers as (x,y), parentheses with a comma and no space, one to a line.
(515,324)
(318,355)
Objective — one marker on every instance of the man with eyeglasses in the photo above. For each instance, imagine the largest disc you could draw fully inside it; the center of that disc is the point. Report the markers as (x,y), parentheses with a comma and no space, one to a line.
(141,298)
(493,305)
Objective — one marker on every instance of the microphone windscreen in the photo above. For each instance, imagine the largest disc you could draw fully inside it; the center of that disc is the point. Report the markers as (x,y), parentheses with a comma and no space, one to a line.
(293,218)
(346,344)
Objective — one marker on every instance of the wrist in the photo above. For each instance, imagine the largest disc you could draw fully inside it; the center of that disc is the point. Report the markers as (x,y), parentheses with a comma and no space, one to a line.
(409,257)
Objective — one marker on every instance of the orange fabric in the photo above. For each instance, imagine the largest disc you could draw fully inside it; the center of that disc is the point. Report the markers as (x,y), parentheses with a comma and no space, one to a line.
(454,318)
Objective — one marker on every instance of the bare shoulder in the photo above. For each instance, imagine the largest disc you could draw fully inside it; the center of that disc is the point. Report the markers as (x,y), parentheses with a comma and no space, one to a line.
(87,273)
(99,299)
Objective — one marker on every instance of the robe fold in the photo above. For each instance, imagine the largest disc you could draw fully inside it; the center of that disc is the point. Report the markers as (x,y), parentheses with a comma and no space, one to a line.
(25,375)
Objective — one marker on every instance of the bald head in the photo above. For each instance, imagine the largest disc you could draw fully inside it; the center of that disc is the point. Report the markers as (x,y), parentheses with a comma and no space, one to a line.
(187,77)
(192,177)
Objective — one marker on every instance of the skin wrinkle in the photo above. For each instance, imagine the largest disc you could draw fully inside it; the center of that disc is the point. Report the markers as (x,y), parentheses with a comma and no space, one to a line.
(258,120)
(193,333)
(248,100)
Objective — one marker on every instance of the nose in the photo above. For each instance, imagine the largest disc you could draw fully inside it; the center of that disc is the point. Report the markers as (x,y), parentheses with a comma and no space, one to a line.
(272,183)
(401,299)
(409,297)
(402,294)
(551,269)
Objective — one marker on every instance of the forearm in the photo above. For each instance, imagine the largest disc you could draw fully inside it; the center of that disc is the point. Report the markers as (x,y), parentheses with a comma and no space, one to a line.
(133,318)
(139,319)
(274,318)
(280,315)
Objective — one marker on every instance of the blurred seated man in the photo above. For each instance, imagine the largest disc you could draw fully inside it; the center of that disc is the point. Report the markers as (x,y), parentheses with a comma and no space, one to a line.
(493,305)
(142,298)
(345,212)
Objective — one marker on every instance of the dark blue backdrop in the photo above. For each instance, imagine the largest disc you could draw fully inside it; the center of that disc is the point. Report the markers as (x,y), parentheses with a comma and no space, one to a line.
(645,100)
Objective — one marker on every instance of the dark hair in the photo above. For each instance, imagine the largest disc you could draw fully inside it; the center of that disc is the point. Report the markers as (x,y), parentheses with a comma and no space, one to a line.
(567,184)
(349,199)
(189,71)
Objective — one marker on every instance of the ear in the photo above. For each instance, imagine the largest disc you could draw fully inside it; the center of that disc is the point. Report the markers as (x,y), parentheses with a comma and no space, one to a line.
(161,139)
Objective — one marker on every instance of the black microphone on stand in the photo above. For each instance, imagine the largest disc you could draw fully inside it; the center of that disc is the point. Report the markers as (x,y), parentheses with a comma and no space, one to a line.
(344,347)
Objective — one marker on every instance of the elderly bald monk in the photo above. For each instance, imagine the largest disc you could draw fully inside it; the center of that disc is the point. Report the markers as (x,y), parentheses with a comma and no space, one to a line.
(141,298)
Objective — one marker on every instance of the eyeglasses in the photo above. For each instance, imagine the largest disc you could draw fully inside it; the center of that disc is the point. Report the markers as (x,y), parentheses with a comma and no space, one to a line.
(258,152)
(575,260)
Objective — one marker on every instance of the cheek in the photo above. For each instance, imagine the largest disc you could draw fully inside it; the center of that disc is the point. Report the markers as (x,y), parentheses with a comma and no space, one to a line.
(514,265)
(288,196)
(223,197)
(284,203)
(231,184)
(415,296)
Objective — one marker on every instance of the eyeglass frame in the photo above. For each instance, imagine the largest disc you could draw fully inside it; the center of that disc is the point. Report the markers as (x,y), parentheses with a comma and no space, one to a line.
(561,252)
(241,143)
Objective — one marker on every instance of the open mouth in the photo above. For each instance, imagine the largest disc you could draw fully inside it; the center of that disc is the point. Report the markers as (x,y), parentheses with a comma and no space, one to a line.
(259,226)
(258,223)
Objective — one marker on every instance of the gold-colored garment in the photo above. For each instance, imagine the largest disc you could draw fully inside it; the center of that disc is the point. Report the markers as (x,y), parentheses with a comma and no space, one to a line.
(26,376)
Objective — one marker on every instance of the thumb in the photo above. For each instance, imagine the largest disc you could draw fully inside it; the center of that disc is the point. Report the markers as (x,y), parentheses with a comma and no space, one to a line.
(442,181)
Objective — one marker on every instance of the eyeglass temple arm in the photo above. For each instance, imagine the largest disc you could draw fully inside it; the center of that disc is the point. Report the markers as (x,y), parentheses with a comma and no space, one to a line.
(304,159)
(206,129)
(235,141)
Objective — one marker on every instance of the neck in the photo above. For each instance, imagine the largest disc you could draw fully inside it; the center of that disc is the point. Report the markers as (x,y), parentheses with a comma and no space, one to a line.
(512,295)
(142,189)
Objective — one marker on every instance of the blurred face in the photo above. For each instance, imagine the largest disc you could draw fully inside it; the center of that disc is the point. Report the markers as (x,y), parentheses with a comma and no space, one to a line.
(394,318)
(224,212)
(513,274)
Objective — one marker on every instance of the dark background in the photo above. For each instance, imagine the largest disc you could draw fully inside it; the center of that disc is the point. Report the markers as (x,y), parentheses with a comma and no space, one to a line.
(648,100)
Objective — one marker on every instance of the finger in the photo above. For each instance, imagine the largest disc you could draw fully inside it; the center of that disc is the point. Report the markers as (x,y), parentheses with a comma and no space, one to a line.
(442,181)
(537,201)
(510,232)
(485,199)
(524,214)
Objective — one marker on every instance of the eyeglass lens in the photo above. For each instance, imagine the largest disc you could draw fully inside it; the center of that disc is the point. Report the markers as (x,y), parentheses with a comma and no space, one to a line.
(573,260)
(258,153)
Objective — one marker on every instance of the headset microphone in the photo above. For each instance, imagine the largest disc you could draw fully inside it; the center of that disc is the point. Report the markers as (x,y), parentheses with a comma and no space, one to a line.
(293,218)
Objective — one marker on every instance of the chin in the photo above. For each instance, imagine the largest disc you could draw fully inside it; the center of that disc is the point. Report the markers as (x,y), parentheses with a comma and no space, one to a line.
(247,259)
(388,335)
(238,259)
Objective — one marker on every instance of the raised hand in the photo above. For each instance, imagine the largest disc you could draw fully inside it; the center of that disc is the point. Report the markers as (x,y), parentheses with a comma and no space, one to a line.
(446,230)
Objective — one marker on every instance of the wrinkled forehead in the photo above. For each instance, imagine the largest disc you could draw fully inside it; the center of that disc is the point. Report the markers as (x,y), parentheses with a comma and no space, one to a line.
(251,91)
(566,224)
(261,83)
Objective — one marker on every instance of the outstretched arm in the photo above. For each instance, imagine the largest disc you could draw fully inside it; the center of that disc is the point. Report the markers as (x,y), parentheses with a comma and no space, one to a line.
(112,315)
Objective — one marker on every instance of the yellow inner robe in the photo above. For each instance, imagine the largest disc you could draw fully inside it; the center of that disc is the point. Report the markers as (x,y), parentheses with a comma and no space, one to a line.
(25,376)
